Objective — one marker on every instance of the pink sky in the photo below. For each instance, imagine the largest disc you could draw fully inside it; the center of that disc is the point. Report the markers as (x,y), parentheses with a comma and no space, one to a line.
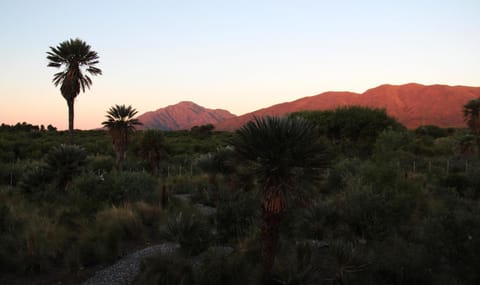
(234,55)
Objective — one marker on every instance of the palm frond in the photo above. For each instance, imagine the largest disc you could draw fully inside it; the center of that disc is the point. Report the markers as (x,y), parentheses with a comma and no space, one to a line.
(73,55)
(283,151)
(120,116)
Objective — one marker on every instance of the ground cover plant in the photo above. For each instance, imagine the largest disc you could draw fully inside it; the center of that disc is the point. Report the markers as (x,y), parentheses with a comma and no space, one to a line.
(388,206)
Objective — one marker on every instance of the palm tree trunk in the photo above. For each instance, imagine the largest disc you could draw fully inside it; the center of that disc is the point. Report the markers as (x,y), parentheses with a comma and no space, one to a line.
(269,235)
(70,103)
(119,157)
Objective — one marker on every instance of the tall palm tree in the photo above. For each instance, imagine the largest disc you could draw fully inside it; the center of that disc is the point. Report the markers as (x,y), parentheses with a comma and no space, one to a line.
(120,123)
(77,59)
(471,113)
(286,157)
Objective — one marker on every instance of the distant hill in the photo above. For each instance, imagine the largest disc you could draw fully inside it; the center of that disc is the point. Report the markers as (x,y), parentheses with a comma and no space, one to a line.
(411,104)
(183,115)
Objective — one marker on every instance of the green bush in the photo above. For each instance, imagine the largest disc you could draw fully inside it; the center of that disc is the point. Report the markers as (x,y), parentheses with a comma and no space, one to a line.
(192,232)
(165,270)
(236,214)
(211,268)
(114,188)
(35,178)
(130,186)
(217,267)
(316,221)
(64,162)
(102,241)
(148,214)
(30,242)
(100,163)
(11,173)
(185,184)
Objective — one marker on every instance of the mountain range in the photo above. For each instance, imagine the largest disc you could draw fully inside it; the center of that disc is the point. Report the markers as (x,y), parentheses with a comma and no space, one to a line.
(411,104)
(183,115)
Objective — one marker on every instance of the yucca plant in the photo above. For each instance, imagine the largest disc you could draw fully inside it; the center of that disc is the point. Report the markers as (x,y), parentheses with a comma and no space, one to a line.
(64,162)
(284,154)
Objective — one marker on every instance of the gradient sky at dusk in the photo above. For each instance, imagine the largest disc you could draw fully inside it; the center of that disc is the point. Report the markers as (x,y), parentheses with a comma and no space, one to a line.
(235,55)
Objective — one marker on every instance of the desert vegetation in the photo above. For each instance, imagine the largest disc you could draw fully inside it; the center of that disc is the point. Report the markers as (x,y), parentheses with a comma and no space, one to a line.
(344,196)
(347,196)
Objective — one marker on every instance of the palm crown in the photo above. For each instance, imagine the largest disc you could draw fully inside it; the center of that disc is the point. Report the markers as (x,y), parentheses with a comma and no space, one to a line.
(120,122)
(120,116)
(74,55)
(281,149)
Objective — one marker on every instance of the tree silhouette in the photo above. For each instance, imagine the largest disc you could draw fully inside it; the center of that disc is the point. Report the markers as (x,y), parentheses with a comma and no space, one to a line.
(471,113)
(77,59)
(286,156)
(64,162)
(153,148)
(120,123)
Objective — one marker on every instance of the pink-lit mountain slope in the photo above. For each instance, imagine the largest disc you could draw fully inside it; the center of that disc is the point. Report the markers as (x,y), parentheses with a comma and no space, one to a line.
(412,104)
(181,116)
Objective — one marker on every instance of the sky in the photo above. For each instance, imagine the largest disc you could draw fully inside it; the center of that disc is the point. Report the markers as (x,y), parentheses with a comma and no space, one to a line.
(237,55)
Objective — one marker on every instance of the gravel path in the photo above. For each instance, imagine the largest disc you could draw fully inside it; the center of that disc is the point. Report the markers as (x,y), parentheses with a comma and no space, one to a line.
(126,269)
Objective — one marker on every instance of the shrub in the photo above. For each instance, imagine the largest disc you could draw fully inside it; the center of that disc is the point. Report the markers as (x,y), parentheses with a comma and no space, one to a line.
(317,221)
(212,268)
(100,163)
(236,214)
(29,241)
(216,267)
(131,186)
(185,184)
(191,231)
(148,214)
(378,200)
(165,270)
(398,261)
(122,221)
(11,173)
(101,242)
(90,191)
(64,162)
(35,178)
